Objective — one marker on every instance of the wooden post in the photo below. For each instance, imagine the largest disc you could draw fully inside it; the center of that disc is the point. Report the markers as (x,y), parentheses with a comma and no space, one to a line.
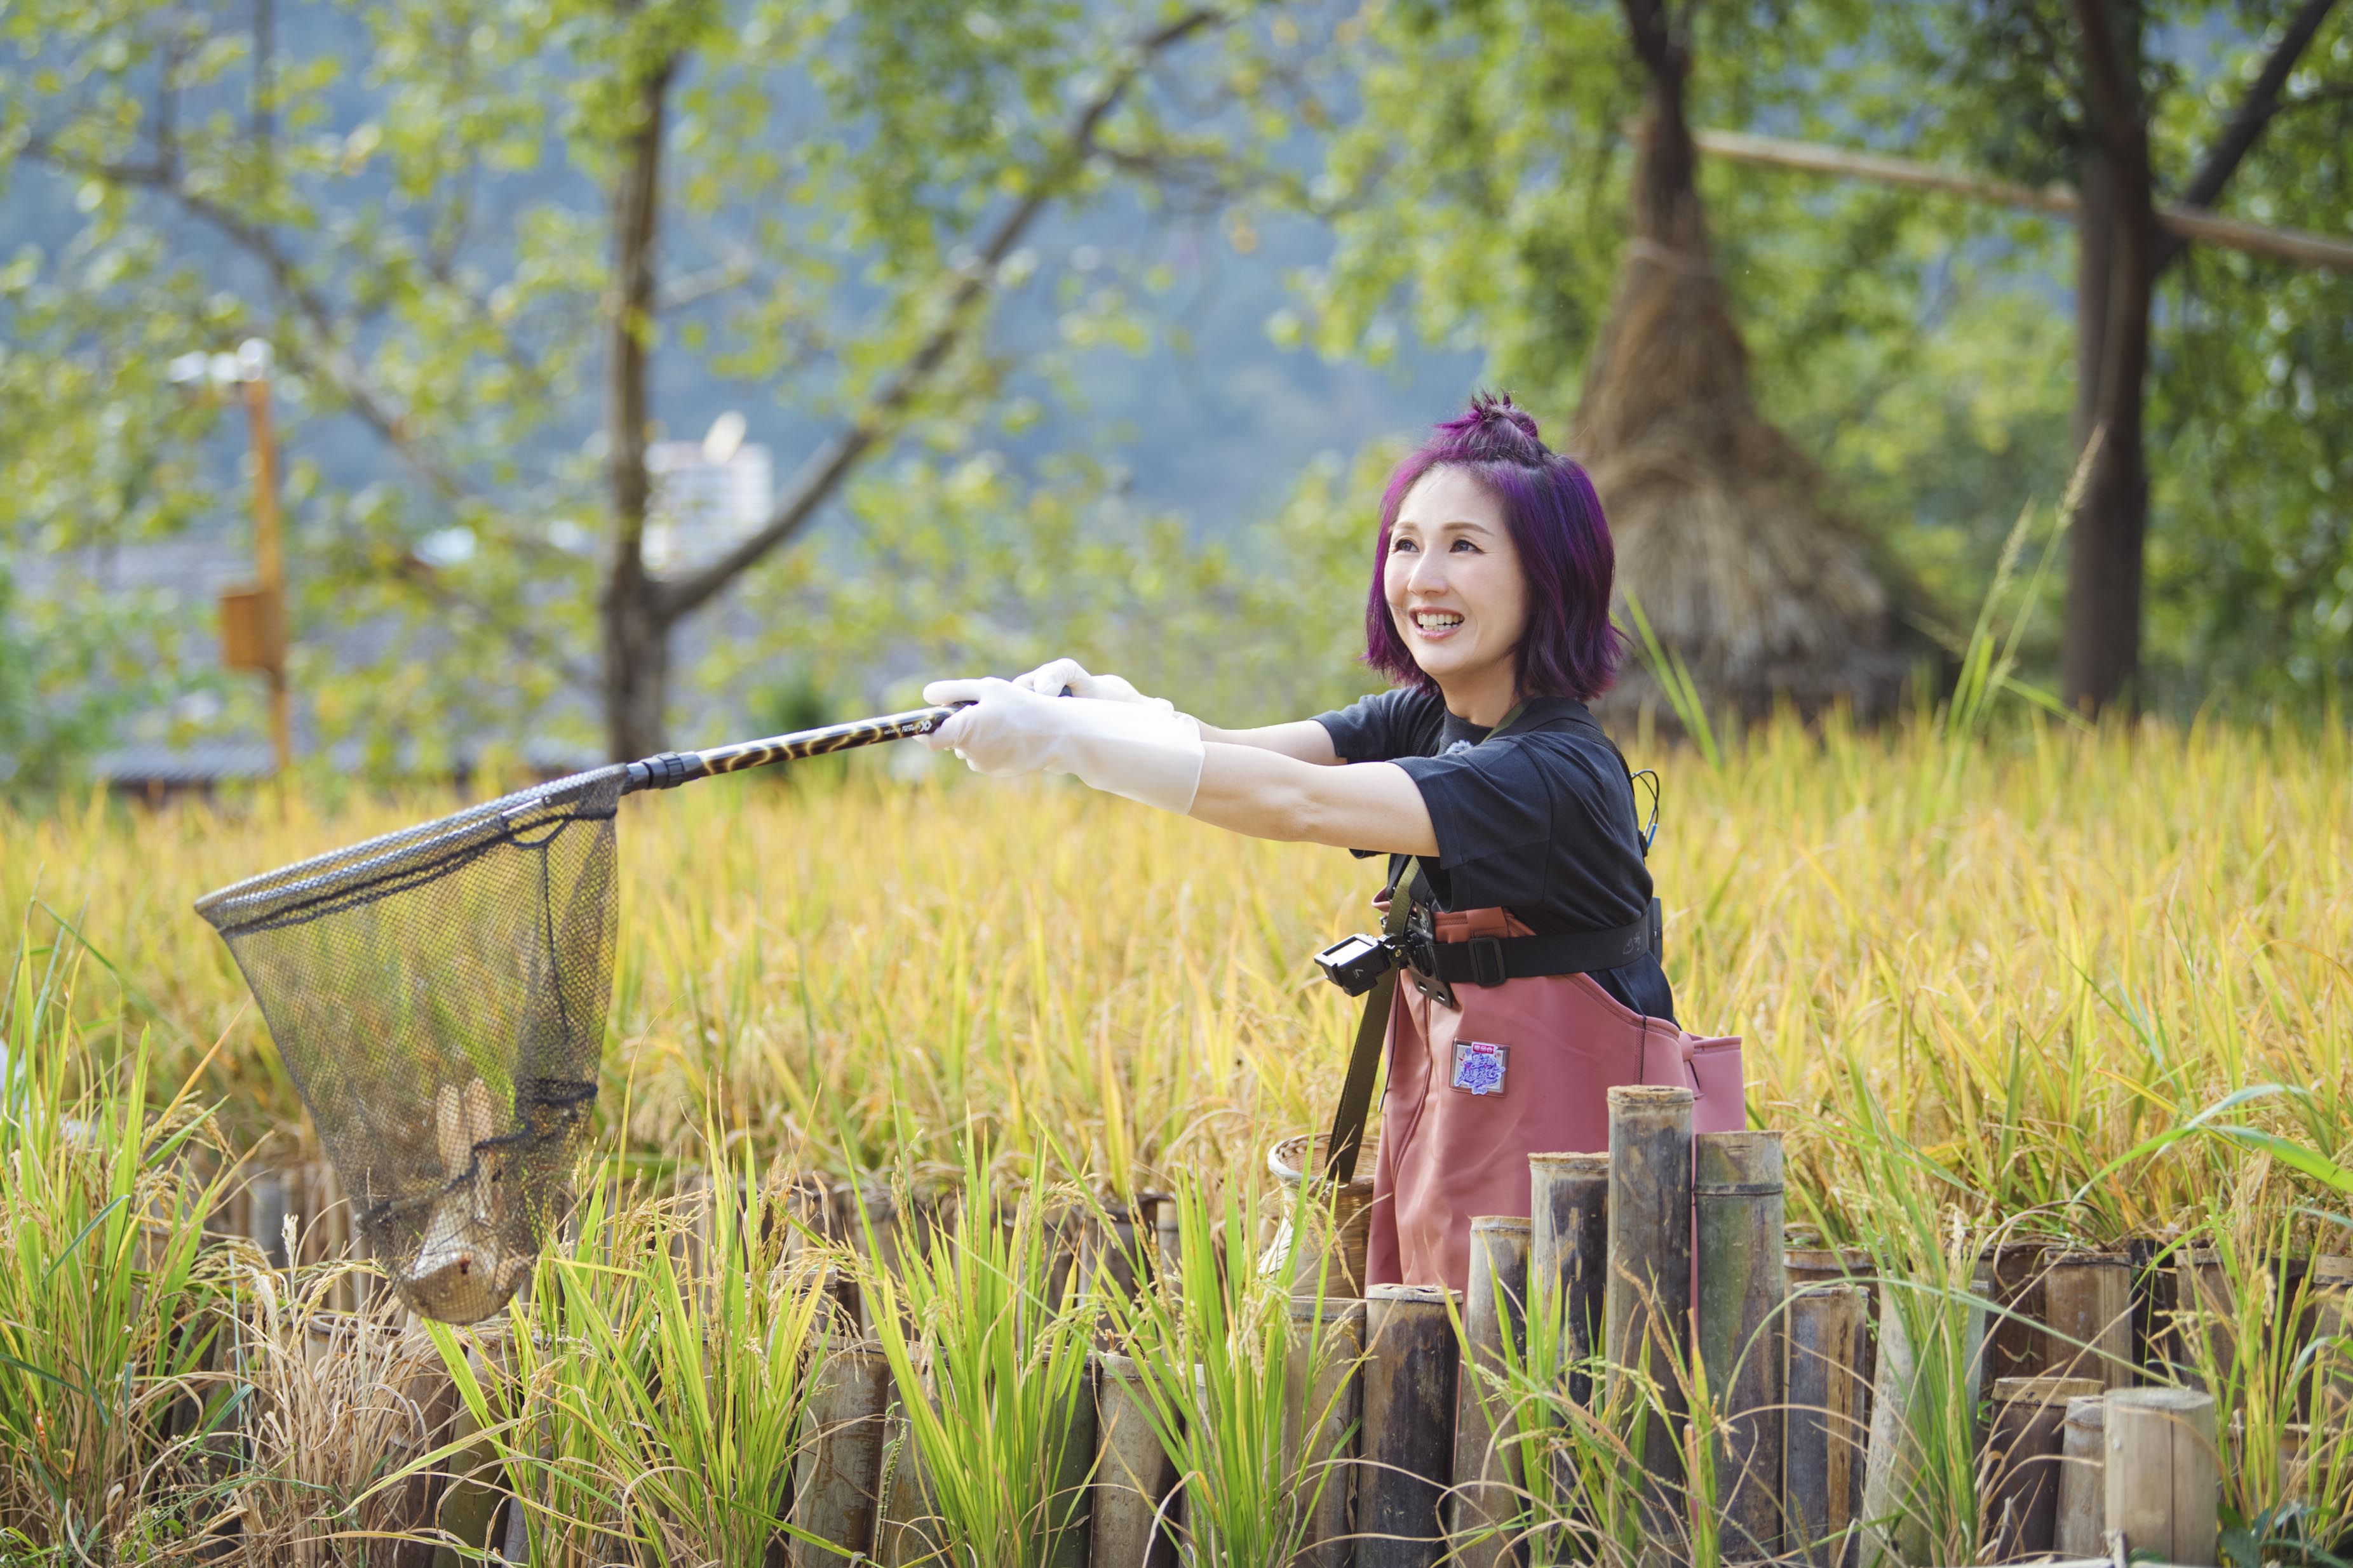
(270,564)
(1486,1462)
(1134,1477)
(1408,1433)
(1646,1305)
(1319,1407)
(2164,1473)
(1568,1254)
(837,1474)
(1823,1457)
(2082,1519)
(1743,1277)
(2087,1307)
(2022,1492)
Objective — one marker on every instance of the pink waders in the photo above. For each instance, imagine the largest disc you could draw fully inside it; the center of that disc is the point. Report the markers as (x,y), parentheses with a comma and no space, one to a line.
(1537,1056)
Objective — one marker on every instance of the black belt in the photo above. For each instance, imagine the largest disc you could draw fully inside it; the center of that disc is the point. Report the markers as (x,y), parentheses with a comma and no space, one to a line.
(1492,960)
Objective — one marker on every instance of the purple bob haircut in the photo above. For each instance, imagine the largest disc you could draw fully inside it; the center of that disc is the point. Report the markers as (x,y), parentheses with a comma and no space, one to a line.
(1569,649)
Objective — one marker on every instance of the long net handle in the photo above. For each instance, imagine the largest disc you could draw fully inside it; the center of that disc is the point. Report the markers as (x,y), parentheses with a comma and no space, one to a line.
(674,768)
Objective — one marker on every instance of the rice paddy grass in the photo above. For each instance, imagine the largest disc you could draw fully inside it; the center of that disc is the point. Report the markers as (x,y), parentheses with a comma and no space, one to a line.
(1985,982)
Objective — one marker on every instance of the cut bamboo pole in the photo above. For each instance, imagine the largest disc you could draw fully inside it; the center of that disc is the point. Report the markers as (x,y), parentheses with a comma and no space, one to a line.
(1319,1410)
(2322,1398)
(469,1501)
(1134,1477)
(1408,1444)
(2203,1289)
(2088,1308)
(905,1533)
(2022,1501)
(1823,1457)
(838,1480)
(1737,1200)
(2018,1332)
(2294,245)
(1646,1305)
(2081,1527)
(2164,1474)
(1495,1326)
(1568,1254)
(2155,1341)
(1902,1401)
(1073,1482)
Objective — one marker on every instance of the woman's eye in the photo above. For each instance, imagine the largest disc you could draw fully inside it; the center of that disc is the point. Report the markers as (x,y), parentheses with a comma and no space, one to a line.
(1464,544)
(1401,546)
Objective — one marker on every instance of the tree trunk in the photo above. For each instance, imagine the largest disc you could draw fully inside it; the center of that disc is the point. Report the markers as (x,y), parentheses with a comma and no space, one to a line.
(2094,254)
(637,626)
(2100,652)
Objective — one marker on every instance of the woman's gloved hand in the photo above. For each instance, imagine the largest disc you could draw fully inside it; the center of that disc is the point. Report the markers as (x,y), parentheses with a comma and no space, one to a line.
(1147,752)
(1057,675)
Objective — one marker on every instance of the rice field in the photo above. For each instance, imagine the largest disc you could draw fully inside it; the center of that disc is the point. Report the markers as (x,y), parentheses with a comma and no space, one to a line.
(1984,984)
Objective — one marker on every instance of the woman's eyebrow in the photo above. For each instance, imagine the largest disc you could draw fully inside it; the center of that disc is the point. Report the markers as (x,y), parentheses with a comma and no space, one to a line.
(1461,524)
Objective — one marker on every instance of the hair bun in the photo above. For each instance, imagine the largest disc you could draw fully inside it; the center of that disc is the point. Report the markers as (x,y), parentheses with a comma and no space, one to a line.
(1490,407)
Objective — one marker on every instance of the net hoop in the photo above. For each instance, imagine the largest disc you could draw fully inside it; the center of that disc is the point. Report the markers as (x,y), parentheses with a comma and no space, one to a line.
(307,890)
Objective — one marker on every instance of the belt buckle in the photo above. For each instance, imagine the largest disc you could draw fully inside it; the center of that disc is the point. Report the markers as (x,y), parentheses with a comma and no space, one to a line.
(1486,960)
(1422,960)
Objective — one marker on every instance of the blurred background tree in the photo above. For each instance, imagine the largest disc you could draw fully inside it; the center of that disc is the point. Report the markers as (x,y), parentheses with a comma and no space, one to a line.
(502,249)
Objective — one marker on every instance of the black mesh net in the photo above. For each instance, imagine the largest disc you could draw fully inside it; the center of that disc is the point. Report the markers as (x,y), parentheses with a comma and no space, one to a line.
(438,996)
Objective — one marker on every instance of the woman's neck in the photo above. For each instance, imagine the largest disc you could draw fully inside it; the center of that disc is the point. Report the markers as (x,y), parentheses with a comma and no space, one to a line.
(1483,697)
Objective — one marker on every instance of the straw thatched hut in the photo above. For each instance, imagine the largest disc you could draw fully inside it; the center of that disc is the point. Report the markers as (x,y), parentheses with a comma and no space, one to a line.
(1721,524)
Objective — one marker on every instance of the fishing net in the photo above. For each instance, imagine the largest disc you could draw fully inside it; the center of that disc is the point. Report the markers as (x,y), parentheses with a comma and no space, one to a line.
(438,997)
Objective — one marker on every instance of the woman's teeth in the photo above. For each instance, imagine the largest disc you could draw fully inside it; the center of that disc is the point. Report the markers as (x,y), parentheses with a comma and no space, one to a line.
(1436,620)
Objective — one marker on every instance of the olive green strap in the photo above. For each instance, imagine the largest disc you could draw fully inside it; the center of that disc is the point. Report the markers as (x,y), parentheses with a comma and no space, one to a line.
(1364,1056)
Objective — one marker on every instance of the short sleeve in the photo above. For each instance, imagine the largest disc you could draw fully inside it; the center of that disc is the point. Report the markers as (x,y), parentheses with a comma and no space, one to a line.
(1491,808)
(1376,729)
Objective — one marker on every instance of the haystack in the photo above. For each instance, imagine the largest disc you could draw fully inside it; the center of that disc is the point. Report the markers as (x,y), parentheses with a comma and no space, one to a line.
(1722,524)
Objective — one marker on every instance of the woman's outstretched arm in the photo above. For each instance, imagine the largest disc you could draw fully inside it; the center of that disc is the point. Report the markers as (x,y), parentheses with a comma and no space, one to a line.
(1304,738)
(1263,792)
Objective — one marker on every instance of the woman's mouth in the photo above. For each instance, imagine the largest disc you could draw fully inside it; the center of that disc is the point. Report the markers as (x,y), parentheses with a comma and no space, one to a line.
(1437,623)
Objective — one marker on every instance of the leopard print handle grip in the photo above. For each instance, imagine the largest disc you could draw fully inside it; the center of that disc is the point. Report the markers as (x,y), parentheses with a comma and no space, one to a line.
(673,768)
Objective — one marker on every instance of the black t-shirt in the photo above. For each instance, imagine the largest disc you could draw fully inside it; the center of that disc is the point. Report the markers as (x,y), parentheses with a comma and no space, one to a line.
(1540,821)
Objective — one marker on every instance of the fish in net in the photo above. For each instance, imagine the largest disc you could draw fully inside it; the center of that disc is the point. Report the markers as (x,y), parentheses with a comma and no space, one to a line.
(439,997)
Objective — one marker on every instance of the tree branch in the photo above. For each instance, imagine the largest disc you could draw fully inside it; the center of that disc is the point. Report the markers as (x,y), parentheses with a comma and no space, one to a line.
(822,474)
(2246,126)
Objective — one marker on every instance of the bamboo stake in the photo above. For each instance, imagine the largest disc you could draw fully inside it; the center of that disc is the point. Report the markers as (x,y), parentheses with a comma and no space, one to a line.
(1409,1431)
(2203,1289)
(1134,1475)
(1568,1252)
(1892,1465)
(1742,1278)
(838,1480)
(2022,1493)
(2164,1473)
(2156,1343)
(2081,1525)
(1823,1456)
(1646,1305)
(1073,1489)
(2018,1334)
(1494,1322)
(2087,1302)
(904,1532)
(1319,1408)
(2297,246)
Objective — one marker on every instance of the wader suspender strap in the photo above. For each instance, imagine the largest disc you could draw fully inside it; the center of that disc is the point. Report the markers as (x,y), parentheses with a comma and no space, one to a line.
(1364,1057)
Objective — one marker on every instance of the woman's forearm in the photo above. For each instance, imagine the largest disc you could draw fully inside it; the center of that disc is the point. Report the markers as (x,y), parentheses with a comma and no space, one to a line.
(1304,738)
(1363,805)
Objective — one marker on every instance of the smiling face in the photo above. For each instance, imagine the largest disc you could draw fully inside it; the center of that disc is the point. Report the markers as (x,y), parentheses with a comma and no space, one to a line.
(1456,592)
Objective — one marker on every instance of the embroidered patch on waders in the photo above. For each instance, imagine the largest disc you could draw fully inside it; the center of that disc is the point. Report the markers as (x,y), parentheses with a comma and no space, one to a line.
(1479,1066)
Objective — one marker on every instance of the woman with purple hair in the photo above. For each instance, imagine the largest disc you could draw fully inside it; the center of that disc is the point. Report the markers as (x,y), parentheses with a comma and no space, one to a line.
(1517,900)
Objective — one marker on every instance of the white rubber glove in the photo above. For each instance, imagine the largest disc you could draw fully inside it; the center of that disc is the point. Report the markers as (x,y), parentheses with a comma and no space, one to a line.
(1144,752)
(1057,675)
